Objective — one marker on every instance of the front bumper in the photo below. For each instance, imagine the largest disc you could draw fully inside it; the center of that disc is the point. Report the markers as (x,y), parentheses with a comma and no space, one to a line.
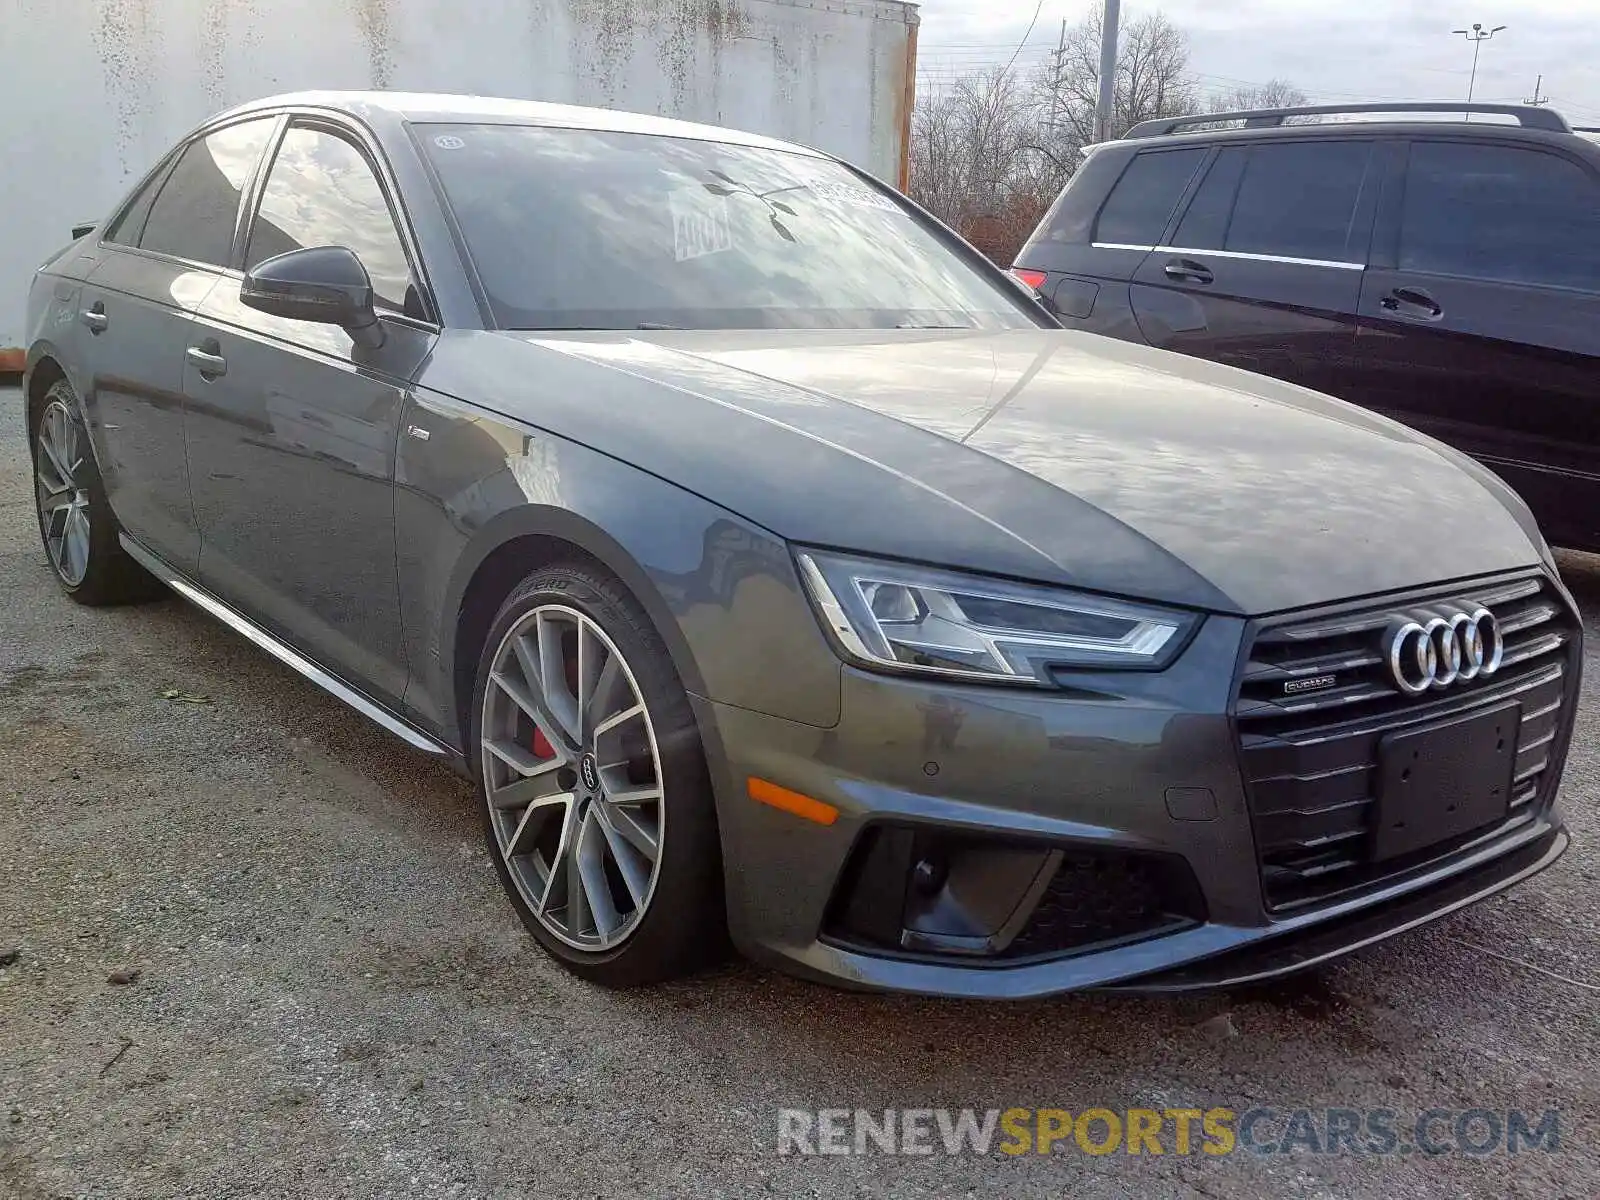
(1092,769)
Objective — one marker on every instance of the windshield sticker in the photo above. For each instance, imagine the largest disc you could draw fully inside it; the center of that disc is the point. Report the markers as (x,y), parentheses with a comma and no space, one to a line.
(448,141)
(700,224)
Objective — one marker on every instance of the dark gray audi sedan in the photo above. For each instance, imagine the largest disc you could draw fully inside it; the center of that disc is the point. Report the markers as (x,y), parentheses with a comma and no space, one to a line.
(778,570)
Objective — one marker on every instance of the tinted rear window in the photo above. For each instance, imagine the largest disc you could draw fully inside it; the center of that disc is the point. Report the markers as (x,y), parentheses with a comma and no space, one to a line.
(1301,200)
(1139,207)
(1500,213)
(591,229)
(194,215)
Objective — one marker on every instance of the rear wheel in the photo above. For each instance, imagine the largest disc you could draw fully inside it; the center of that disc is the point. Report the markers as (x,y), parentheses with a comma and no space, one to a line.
(596,798)
(80,534)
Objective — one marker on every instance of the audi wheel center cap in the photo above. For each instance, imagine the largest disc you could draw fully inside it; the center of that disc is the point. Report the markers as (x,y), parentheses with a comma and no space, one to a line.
(589,772)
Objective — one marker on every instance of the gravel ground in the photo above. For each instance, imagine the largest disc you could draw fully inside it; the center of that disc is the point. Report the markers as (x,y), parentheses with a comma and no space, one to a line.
(332,999)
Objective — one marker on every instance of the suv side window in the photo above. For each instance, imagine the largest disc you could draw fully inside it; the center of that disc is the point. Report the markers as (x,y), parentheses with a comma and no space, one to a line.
(1308,200)
(1138,208)
(195,214)
(322,191)
(1500,213)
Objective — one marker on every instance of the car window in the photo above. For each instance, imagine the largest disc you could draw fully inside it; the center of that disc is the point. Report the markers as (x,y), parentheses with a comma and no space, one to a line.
(1137,211)
(1303,200)
(321,191)
(1501,213)
(128,228)
(592,229)
(1205,224)
(196,211)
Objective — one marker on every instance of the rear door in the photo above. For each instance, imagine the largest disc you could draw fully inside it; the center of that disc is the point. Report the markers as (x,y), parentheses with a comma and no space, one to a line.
(1263,271)
(160,259)
(1481,317)
(1089,250)
(292,425)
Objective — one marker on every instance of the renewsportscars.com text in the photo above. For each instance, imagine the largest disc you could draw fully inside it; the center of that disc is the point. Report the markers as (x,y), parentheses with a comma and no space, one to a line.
(1152,1131)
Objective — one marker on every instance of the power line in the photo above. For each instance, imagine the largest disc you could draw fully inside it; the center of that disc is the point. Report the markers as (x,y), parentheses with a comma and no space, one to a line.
(1037,9)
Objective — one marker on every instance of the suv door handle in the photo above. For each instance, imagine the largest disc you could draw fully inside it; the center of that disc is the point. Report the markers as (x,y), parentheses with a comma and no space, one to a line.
(95,318)
(210,365)
(1412,302)
(1186,270)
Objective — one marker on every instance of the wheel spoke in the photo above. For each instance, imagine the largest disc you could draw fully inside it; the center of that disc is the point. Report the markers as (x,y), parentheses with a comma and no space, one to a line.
(538,785)
(77,537)
(632,849)
(55,519)
(524,698)
(534,699)
(588,853)
(58,553)
(521,759)
(561,704)
(637,795)
(616,719)
(532,823)
(53,453)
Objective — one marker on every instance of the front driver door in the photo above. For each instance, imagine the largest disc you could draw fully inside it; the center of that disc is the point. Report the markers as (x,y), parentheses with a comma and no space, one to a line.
(292,426)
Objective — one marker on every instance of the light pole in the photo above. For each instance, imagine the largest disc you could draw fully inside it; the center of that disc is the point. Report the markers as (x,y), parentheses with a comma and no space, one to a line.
(1477,35)
(1106,102)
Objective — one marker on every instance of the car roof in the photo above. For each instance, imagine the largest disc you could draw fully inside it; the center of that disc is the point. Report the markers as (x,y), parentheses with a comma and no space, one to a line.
(441,108)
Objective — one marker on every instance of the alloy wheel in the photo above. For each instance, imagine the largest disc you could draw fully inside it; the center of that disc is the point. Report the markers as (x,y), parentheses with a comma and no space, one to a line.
(60,476)
(572,776)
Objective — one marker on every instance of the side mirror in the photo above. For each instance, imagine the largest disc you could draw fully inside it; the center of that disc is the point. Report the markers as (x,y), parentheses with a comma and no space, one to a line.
(325,284)
(84,230)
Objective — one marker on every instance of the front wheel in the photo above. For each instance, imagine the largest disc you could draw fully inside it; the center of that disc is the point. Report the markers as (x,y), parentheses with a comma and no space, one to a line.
(596,796)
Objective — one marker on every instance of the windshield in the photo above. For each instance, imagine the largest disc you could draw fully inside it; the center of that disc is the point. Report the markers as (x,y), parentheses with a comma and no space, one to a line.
(587,229)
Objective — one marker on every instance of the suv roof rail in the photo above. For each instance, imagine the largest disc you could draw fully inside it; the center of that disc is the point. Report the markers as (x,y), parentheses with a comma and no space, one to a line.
(1268,118)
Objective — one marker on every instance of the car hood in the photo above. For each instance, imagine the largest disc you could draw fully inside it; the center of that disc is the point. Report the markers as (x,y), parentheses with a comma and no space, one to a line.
(1045,454)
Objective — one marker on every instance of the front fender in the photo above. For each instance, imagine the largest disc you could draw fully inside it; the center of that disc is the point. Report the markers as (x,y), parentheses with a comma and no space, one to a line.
(722,591)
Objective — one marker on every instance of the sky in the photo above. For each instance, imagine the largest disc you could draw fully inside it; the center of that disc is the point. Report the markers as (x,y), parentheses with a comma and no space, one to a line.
(1361,50)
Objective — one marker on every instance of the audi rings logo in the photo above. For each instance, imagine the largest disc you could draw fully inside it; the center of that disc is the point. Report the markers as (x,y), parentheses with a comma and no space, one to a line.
(1435,650)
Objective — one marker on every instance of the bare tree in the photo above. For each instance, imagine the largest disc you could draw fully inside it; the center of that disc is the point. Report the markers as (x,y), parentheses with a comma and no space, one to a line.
(991,152)
(972,164)
(1275,93)
(1153,80)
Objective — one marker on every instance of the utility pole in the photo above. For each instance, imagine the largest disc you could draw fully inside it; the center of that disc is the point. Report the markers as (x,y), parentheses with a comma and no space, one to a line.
(1105,110)
(1055,81)
(1477,35)
(1535,101)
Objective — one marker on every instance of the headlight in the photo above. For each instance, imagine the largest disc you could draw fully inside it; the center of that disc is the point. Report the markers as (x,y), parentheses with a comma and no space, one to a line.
(911,618)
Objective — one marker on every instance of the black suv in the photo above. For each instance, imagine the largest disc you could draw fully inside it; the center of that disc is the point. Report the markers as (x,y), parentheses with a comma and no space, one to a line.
(1443,272)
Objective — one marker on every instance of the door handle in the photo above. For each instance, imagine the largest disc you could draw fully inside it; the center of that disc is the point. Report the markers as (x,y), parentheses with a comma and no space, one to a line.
(1186,270)
(208,364)
(1412,302)
(95,318)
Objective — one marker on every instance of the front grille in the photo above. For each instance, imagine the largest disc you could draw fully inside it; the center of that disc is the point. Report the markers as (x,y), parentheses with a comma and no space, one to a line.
(1310,759)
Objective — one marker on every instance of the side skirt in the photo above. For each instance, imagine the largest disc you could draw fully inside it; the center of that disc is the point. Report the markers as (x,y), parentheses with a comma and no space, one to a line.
(285,653)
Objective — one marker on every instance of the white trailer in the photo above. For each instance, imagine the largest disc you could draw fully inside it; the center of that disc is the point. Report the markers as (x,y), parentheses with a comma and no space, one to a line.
(92,92)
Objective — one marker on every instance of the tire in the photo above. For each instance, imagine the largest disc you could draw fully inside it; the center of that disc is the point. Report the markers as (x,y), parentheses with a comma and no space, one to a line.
(80,533)
(577,718)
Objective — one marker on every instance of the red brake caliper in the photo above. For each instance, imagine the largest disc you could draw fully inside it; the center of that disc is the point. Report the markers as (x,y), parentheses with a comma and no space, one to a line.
(541,744)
